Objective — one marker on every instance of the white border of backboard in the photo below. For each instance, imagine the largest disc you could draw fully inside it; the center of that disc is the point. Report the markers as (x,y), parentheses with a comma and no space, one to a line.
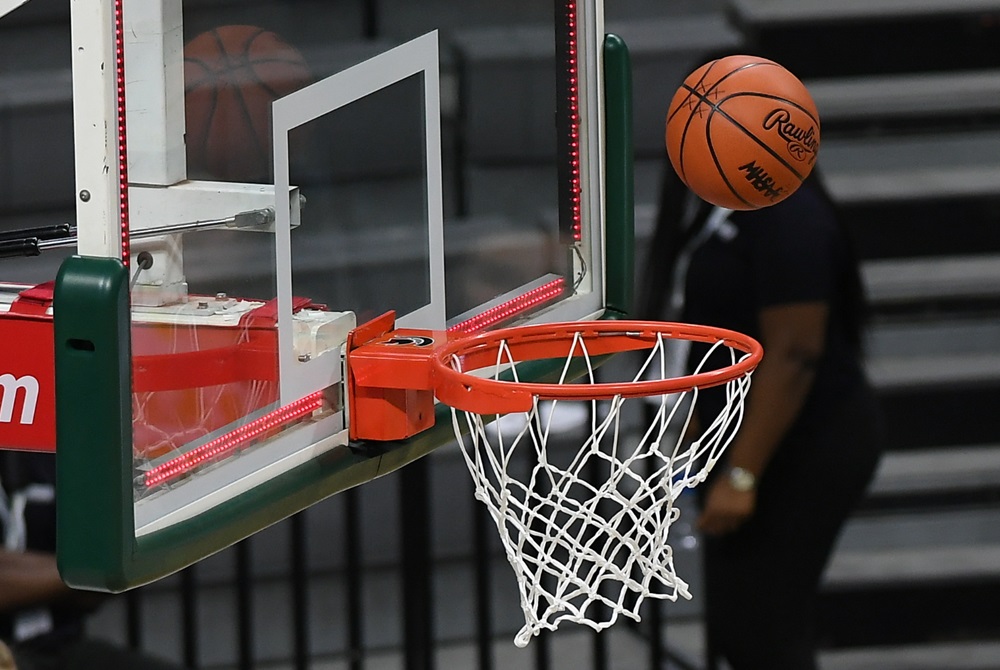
(95,129)
(590,53)
(419,56)
(8,6)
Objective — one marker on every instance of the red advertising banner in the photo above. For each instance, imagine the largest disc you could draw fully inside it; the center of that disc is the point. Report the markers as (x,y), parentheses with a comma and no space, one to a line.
(27,382)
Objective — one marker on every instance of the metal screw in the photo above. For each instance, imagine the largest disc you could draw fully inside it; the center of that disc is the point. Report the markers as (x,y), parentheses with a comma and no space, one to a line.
(202,304)
(304,358)
(85,196)
(221,296)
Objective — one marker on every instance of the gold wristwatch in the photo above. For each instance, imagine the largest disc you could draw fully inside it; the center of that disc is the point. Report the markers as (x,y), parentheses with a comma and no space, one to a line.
(741,479)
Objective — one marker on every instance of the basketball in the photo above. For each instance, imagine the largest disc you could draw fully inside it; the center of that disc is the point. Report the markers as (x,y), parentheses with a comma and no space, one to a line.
(232,74)
(742,132)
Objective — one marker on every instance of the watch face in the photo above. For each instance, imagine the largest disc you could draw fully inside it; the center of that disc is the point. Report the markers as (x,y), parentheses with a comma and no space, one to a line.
(742,480)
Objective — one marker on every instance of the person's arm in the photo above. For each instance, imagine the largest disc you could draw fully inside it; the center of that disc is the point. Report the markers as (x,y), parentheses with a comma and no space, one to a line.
(29,578)
(6,658)
(793,337)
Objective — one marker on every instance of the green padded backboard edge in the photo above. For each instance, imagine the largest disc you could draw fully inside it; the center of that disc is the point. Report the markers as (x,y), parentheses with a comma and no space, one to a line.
(619,179)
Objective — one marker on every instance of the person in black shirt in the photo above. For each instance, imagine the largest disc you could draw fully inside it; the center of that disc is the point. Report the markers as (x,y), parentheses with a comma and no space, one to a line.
(812,433)
(41,619)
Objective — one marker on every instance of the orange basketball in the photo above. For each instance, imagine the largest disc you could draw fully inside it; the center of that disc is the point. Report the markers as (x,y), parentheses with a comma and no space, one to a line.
(232,74)
(742,132)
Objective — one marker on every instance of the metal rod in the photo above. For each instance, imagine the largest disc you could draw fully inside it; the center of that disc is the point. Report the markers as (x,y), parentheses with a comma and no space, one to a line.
(598,475)
(250,219)
(657,635)
(14,288)
(244,605)
(484,596)
(143,261)
(133,619)
(355,579)
(189,616)
(28,246)
(599,646)
(40,232)
(300,592)
(370,21)
(418,609)
(655,614)
(542,651)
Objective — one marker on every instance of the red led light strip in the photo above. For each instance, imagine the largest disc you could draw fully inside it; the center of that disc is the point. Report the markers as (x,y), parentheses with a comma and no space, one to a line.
(122,152)
(233,440)
(533,298)
(573,75)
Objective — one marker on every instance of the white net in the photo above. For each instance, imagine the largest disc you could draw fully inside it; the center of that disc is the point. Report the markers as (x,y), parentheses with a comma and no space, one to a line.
(586,527)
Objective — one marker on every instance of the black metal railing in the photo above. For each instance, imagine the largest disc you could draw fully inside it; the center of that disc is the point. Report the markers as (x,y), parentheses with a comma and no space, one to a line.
(416,568)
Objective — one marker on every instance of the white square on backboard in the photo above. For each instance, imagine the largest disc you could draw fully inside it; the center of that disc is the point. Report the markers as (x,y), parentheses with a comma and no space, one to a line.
(417,57)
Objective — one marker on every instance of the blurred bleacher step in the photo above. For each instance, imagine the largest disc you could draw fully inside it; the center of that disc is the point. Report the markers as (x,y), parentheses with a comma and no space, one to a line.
(883,102)
(965,471)
(914,578)
(950,655)
(864,36)
(919,564)
(886,543)
(863,170)
(792,12)
(892,282)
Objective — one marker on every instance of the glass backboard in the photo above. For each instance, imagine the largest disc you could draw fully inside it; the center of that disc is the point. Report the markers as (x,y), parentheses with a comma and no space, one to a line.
(279,175)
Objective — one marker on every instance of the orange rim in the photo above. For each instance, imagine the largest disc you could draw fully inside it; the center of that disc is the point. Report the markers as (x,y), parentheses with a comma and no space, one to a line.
(553,341)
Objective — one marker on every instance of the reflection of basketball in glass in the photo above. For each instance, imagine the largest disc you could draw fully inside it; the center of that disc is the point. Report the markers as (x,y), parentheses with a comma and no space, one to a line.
(742,132)
(232,74)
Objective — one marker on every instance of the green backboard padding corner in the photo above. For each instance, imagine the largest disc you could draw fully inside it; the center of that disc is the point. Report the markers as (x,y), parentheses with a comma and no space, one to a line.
(93,420)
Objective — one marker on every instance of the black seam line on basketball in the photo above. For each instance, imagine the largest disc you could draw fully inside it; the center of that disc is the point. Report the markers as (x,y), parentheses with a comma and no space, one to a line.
(257,142)
(702,79)
(220,45)
(708,122)
(718,164)
(239,60)
(251,66)
(258,145)
(199,62)
(251,39)
(203,149)
(715,108)
(703,98)
(762,145)
(687,124)
(771,96)
(267,88)
(283,61)
(680,147)
(683,102)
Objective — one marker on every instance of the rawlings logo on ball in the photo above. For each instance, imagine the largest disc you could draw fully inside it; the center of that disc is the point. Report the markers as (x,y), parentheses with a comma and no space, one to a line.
(802,142)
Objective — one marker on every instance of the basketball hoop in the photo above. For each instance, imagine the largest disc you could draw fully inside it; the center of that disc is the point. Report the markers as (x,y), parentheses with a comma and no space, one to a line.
(586,528)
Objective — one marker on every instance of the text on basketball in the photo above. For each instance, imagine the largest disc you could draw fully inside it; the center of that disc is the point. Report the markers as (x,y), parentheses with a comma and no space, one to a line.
(802,142)
(761,181)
